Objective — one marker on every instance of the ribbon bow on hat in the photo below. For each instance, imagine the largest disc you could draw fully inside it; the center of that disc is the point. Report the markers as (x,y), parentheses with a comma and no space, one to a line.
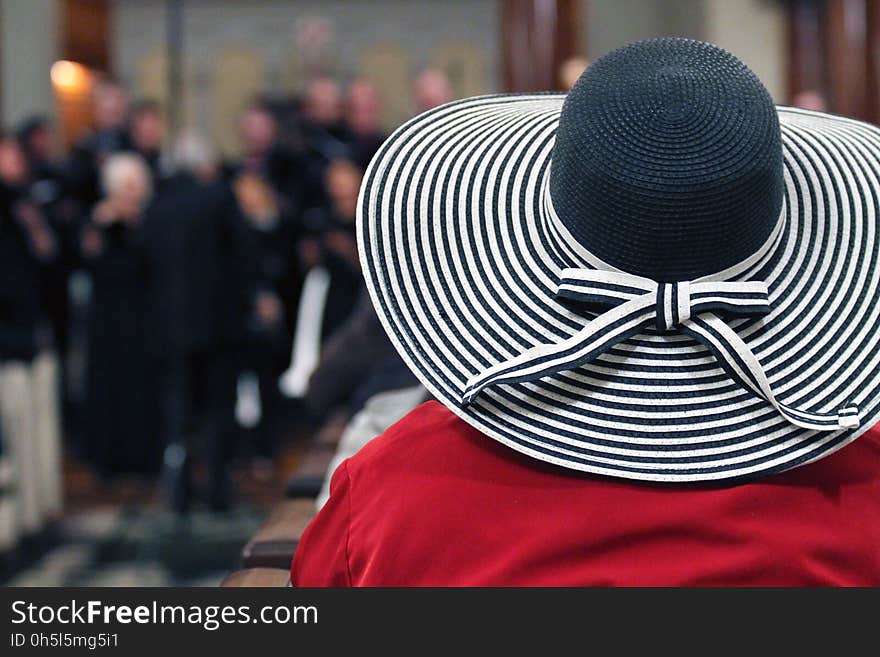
(637,302)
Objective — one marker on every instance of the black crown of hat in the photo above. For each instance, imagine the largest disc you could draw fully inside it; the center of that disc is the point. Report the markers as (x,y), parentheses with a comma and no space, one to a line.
(668,160)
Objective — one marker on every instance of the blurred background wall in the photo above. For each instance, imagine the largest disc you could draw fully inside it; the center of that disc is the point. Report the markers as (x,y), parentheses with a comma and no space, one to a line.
(754,30)
(234,49)
(29,45)
(608,24)
(825,49)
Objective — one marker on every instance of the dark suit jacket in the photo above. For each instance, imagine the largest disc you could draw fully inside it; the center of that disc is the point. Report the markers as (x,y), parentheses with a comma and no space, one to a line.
(201,266)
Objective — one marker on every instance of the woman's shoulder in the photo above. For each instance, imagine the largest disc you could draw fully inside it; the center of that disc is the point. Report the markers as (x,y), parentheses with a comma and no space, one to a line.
(421,433)
(432,448)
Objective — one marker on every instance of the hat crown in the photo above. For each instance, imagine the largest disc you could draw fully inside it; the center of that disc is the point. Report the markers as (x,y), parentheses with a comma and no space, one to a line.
(668,160)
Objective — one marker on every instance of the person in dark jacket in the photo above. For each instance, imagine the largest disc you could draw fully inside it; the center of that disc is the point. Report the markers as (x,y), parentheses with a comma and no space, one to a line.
(28,367)
(264,155)
(109,135)
(362,114)
(358,362)
(46,190)
(325,135)
(146,132)
(120,402)
(199,293)
(339,244)
(27,246)
(332,284)
(274,235)
(35,136)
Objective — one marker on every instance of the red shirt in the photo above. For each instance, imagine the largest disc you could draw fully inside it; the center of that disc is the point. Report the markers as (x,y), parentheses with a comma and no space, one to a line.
(434,502)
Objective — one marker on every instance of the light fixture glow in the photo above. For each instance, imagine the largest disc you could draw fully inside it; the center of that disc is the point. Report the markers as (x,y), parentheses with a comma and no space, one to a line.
(68,76)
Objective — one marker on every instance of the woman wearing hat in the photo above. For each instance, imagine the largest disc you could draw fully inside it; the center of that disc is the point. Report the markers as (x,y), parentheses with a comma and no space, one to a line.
(648,311)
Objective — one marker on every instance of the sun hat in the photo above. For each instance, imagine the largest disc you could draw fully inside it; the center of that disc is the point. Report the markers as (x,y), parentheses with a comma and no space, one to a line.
(657,276)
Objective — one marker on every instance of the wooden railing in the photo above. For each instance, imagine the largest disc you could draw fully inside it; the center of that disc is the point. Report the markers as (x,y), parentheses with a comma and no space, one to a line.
(266,558)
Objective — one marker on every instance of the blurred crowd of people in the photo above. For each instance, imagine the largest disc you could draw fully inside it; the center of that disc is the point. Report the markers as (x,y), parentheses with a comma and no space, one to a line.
(150,291)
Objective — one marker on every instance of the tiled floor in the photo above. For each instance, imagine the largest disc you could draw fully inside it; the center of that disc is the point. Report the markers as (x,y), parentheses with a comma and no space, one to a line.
(120,534)
(112,547)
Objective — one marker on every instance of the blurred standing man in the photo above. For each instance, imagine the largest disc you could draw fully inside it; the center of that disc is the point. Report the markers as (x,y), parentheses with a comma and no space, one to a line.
(324,113)
(270,326)
(35,135)
(266,157)
(28,411)
(199,294)
(325,134)
(362,115)
(146,133)
(109,116)
(333,282)
(46,190)
(339,244)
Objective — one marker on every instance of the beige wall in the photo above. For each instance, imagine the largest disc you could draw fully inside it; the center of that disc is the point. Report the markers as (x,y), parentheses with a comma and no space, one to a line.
(610,24)
(256,44)
(753,30)
(30,44)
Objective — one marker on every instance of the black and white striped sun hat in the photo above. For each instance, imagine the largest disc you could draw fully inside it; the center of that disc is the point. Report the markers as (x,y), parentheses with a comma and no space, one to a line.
(659,276)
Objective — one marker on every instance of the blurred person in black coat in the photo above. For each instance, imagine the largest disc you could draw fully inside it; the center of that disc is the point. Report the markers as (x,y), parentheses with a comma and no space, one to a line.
(357,363)
(27,375)
(274,233)
(330,241)
(362,114)
(36,136)
(200,292)
(332,281)
(120,434)
(109,135)
(324,117)
(46,190)
(27,247)
(326,136)
(264,155)
(146,132)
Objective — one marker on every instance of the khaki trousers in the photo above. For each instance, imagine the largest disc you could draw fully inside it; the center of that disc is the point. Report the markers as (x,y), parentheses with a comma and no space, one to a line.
(30,467)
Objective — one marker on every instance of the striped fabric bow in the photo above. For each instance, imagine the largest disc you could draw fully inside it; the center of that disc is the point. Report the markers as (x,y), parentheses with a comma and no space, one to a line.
(637,302)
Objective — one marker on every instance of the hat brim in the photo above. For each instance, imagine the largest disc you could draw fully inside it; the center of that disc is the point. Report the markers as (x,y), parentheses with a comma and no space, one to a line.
(461,257)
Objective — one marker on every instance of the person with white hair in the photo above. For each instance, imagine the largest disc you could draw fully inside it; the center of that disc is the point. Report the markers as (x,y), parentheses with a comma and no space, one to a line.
(199,293)
(194,154)
(119,436)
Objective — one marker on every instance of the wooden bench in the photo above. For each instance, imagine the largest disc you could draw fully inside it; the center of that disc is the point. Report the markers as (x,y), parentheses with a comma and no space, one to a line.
(262,577)
(308,478)
(331,431)
(274,544)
